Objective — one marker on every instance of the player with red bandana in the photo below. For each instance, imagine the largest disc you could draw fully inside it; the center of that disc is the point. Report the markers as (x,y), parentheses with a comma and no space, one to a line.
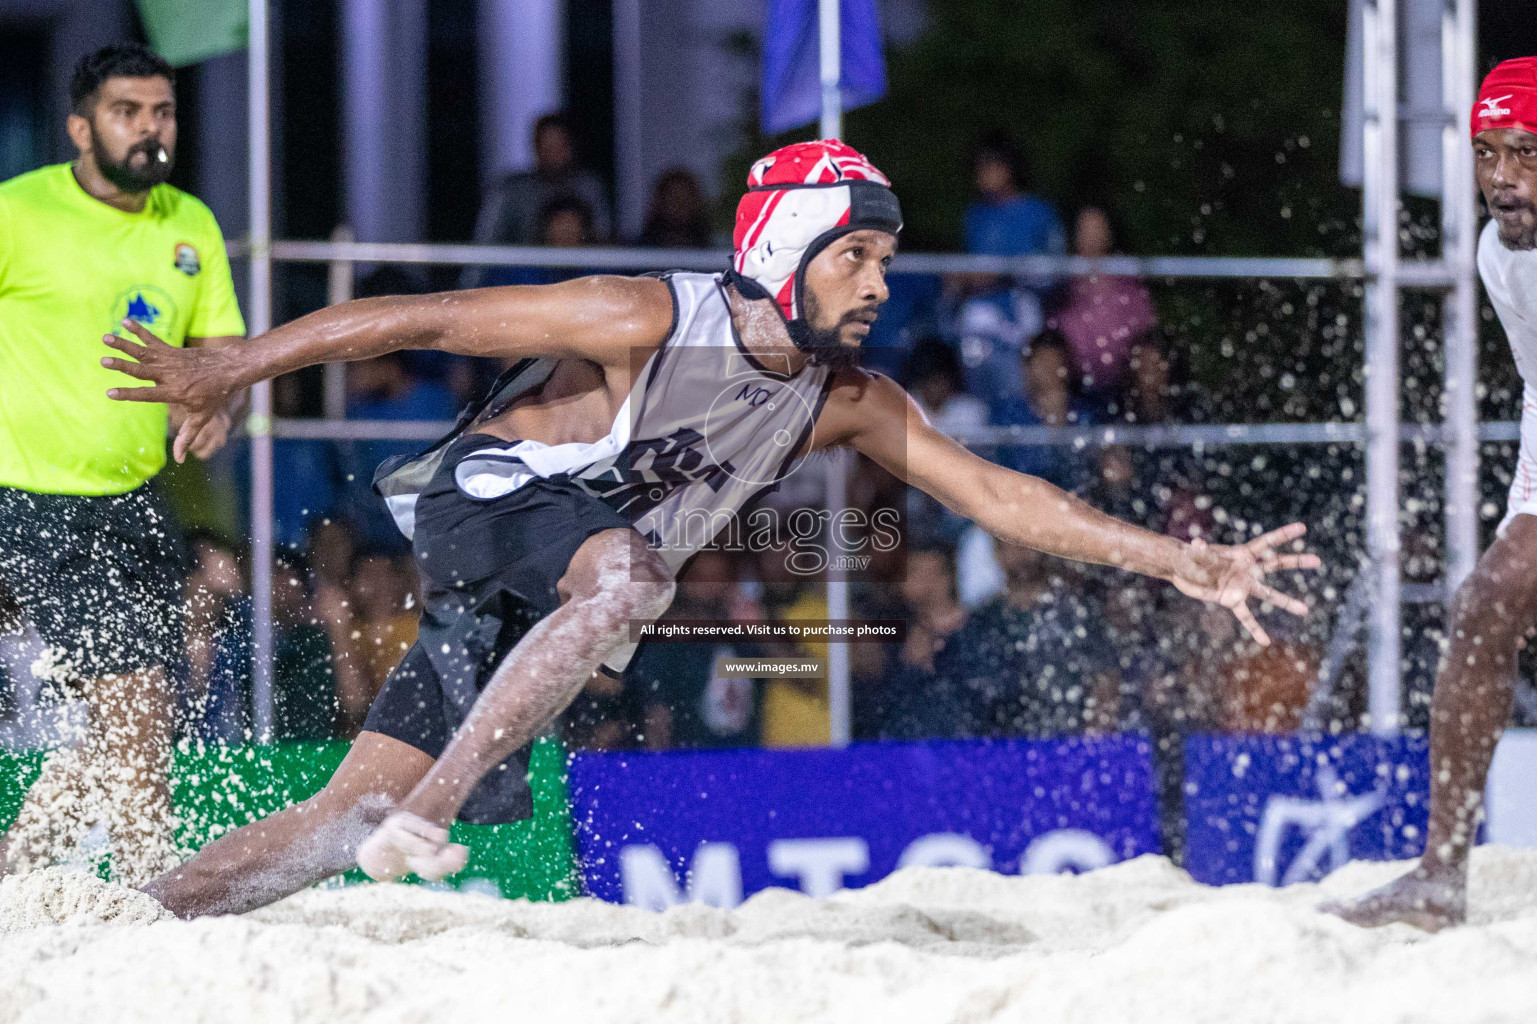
(548,523)
(1496,606)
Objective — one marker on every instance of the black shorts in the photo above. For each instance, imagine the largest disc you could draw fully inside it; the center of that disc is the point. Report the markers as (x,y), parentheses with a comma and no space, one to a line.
(99,576)
(489,570)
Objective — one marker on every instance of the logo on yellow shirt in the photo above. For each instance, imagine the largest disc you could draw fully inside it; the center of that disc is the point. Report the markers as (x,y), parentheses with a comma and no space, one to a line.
(187,259)
(151,306)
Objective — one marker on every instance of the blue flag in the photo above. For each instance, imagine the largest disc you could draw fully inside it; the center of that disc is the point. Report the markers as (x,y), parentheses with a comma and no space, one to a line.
(792,82)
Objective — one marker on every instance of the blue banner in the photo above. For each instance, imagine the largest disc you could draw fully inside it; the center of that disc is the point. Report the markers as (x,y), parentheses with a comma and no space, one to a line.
(1284,809)
(716,826)
(792,81)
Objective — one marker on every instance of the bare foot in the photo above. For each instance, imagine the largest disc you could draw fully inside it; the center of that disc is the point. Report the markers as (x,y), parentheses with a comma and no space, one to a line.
(1427,898)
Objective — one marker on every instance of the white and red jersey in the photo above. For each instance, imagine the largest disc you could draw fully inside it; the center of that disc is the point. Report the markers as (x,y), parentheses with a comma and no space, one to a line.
(1510,278)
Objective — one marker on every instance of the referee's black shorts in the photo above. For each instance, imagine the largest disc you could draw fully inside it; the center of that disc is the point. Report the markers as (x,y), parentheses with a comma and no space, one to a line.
(99,576)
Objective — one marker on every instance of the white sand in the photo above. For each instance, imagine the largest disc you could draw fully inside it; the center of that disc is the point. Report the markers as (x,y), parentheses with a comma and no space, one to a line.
(65,896)
(1138,942)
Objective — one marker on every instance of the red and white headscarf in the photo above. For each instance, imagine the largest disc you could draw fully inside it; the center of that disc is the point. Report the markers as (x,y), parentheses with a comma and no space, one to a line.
(1508,97)
(799,199)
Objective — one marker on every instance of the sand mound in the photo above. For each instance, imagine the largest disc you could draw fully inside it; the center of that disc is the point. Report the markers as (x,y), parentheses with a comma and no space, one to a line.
(1135,942)
(64,896)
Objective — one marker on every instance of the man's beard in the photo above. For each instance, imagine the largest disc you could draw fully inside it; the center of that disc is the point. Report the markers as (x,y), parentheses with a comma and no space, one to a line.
(121,173)
(825,347)
(1525,237)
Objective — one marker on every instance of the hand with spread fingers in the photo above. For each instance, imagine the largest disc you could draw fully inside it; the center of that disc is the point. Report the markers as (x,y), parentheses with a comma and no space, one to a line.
(1231,575)
(199,381)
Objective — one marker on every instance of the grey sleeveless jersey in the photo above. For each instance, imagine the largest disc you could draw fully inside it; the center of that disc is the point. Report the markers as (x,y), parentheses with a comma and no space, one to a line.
(705,430)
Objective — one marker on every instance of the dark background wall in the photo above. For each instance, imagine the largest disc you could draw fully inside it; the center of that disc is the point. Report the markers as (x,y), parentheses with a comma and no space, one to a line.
(1193,99)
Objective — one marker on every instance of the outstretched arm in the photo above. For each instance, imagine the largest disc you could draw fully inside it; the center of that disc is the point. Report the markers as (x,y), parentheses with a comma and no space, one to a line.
(601,319)
(873,415)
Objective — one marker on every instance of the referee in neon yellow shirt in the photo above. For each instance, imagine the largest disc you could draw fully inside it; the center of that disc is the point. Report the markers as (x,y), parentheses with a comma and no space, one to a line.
(87,548)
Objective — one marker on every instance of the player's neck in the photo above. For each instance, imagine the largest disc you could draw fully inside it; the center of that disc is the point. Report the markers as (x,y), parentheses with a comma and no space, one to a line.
(763,333)
(94,184)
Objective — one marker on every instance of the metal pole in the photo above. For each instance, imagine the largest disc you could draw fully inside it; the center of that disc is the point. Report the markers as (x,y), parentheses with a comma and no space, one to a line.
(1380,209)
(339,280)
(1459,243)
(830,44)
(839,676)
(840,704)
(629,121)
(259,423)
(1430,275)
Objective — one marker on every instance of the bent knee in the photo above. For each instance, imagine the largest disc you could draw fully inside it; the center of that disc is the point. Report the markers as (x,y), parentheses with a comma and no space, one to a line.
(646,587)
(633,601)
(624,581)
(651,585)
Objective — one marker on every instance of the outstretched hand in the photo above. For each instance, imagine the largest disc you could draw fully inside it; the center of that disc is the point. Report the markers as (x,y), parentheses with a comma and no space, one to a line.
(1230,575)
(201,381)
(198,379)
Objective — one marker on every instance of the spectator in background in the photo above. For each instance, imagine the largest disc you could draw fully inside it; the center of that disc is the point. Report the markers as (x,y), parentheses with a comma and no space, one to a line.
(1051,399)
(306,674)
(1268,687)
(217,681)
(556,203)
(383,600)
(934,613)
(1006,220)
(511,212)
(992,319)
(687,702)
(679,216)
(384,388)
(1035,661)
(874,591)
(915,705)
(332,549)
(796,712)
(995,314)
(935,380)
(1164,488)
(1151,397)
(874,668)
(1104,317)
(565,222)
(310,470)
(215,584)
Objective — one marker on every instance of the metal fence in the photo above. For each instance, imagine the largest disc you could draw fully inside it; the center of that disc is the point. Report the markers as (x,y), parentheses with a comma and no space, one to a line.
(1381,270)
(342,257)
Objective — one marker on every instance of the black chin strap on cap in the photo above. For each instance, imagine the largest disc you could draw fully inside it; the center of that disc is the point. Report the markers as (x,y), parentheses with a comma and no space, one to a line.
(801,335)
